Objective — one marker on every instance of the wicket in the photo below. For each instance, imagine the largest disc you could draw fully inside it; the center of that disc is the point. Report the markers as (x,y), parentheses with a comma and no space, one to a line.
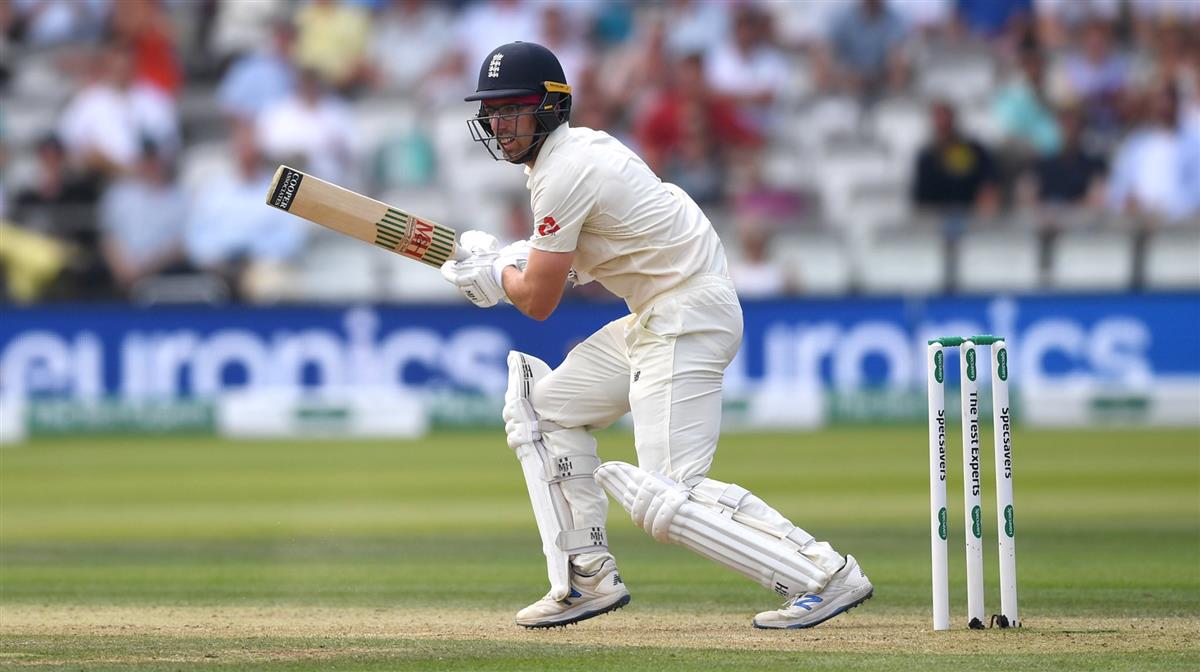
(972,487)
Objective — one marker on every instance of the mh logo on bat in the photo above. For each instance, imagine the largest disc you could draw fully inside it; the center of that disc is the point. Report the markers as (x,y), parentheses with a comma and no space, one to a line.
(422,238)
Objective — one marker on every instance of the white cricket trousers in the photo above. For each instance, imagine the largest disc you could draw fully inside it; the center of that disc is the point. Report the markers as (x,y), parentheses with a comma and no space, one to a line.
(665,364)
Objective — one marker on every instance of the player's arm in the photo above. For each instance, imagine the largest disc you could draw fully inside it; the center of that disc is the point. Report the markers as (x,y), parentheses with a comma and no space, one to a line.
(537,290)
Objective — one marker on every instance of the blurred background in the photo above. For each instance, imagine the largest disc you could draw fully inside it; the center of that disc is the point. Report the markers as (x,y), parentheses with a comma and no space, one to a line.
(880,172)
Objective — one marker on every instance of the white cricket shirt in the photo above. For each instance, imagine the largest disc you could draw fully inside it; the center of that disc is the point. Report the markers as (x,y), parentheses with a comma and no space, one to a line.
(635,234)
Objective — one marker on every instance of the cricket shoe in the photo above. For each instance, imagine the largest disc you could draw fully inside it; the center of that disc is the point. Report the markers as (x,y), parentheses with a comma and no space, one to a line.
(599,593)
(846,589)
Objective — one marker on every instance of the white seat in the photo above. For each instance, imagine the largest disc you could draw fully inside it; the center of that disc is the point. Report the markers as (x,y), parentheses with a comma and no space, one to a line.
(334,270)
(877,201)
(411,281)
(26,122)
(201,163)
(838,176)
(903,262)
(997,261)
(378,119)
(816,261)
(962,77)
(1092,261)
(824,118)
(979,122)
(904,126)
(1172,259)
(36,77)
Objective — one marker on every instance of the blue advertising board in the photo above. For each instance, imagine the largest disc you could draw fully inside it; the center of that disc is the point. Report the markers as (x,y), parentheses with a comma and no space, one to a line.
(1127,341)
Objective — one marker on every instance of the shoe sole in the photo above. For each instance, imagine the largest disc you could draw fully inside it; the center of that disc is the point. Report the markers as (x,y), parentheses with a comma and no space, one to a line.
(802,626)
(582,617)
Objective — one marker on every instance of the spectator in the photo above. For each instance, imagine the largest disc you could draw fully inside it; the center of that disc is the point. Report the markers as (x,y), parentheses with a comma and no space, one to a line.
(635,73)
(927,18)
(331,40)
(1175,58)
(500,21)
(694,26)
(1058,20)
(1021,110)
(696,166)
(141,221)
(229,233)
(867,51)
(955,174)
(559,34)
(755,275)
(44,23)
(1096,75)
(145,26)
(310,127)
(57,187)
(242,27)
(994,18)
(60,205)
(1150,15)
(260,78)
(1070,177)
(802,27)
(1156,171)
(747,69)
(410,38)
(662,131)
(104,123)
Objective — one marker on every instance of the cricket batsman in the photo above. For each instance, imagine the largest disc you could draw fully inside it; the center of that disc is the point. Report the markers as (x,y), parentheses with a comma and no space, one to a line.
(601,214)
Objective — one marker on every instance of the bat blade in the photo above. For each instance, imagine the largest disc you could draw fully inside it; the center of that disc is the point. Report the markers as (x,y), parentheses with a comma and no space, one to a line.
(361,217)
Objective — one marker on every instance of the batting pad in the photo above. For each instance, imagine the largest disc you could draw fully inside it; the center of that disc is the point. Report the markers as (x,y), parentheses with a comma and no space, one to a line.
(544,478)
(768,551)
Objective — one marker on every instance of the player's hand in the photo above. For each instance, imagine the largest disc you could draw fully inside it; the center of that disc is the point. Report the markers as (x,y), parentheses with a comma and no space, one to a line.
(474,278)
(513,254)
(478,242)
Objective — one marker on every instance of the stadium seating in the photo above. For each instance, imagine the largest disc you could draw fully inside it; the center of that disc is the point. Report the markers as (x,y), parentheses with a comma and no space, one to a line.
(1092,260)
(997,261)
(903,261)
(815,261)
(1172,259)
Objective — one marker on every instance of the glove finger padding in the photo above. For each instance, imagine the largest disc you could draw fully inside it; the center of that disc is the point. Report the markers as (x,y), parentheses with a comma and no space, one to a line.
(478,242)
(473,277)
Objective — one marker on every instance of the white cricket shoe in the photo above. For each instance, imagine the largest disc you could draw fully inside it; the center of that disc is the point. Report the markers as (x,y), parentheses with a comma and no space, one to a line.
(846,589)
(590,596)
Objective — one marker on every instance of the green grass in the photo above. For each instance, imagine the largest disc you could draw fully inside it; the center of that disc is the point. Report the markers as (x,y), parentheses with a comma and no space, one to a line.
(1108,527)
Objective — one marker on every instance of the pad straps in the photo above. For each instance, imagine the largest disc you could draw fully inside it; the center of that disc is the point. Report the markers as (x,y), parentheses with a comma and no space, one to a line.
(583,540)
(567,467)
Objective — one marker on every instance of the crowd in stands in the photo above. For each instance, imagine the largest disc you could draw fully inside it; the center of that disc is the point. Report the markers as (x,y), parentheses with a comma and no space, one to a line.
(138,136)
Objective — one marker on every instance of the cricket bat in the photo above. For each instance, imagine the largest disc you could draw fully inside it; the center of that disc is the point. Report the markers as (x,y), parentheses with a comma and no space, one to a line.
(361,217)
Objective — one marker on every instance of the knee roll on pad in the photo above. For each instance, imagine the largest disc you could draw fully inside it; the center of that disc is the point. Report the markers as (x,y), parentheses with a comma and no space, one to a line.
(724,523)
(546,475)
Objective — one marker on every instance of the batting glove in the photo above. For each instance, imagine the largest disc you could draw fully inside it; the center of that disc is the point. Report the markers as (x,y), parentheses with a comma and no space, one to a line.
(513,254)
(475,279)
(478,242)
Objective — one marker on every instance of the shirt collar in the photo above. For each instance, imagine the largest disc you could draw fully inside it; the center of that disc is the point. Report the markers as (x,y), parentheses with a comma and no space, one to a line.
(556,136)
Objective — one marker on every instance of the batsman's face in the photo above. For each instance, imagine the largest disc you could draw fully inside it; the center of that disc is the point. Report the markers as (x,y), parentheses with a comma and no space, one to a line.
(514,127)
